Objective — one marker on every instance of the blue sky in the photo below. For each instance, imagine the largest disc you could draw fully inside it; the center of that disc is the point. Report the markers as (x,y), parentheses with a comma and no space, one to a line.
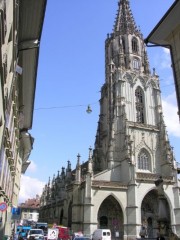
(70,74)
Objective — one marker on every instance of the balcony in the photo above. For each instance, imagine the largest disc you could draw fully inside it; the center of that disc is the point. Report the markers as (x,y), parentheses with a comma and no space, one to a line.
(9,153)
(15,109)
(11,161)
(7,144)
(13,174)
(15,122)
(12,168)
(7,133)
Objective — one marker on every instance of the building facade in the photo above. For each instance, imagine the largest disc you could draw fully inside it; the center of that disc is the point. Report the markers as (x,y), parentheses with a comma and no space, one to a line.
(130,180)
(20,32)
(166,34)
(30,211)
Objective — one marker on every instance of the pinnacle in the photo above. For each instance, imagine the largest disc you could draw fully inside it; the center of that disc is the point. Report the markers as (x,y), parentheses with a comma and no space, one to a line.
(124,22)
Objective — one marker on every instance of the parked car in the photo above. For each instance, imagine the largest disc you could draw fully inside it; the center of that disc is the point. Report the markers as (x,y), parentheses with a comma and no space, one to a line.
(101,234)
(22,231)
(82,238)
(77,234)
(35,233)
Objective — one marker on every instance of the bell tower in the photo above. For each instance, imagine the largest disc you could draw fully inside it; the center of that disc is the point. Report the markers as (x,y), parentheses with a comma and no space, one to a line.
(132,145)
(131,130)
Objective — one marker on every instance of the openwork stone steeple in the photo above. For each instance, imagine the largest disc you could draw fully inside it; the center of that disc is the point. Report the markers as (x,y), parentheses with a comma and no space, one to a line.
(125,47)
(124,23)
(130,99)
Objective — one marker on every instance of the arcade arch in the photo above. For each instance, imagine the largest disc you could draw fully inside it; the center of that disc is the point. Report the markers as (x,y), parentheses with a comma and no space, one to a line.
(155,214)
(110,215)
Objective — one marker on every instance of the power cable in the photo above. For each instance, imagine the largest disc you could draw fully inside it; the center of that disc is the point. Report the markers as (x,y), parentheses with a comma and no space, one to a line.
(66,106)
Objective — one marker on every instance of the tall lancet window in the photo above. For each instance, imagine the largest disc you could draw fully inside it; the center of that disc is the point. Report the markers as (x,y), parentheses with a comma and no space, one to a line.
(144,162)
(134,45)
(139,105)
(136,64)
(123,45)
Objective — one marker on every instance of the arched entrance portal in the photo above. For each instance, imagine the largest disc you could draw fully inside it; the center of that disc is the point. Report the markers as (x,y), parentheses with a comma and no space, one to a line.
(110,216)
(150,214)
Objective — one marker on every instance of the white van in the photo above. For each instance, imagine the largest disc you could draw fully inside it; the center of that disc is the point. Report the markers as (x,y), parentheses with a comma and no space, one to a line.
(101,234)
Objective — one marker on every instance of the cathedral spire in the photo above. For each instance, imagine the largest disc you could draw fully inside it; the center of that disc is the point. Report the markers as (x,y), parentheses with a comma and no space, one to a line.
(124,23)
(90,161)
(78,169)
(125,47)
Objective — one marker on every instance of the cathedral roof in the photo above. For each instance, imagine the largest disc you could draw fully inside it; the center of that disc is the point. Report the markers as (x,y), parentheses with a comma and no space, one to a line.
(124,23)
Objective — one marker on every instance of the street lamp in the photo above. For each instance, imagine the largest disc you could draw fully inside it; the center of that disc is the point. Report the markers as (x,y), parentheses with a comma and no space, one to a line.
(88,110)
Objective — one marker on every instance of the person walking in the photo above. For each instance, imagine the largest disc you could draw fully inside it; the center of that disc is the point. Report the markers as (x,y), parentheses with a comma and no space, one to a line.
(143,232)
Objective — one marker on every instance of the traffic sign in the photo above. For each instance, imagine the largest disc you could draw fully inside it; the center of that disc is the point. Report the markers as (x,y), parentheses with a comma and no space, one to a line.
(52,234)
(3,206)
(16,211)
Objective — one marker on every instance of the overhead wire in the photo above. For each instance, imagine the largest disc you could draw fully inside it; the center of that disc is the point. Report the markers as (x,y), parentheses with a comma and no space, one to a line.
(82,105)
(65,106)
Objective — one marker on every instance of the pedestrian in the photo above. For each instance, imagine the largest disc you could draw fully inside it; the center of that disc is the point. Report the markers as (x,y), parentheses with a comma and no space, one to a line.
(160,237)
(143,232)
(173,236)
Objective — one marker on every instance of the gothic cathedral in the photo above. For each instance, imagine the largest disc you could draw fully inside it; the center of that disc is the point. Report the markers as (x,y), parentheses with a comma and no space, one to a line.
(130,179)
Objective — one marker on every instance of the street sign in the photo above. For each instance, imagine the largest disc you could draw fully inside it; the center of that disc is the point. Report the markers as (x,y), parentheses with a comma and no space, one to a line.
(3,206)
(16,213)
(52,234)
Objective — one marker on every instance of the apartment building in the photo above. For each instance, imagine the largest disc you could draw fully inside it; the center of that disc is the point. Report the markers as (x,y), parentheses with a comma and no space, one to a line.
(21,24)
(30,210)
(166,34)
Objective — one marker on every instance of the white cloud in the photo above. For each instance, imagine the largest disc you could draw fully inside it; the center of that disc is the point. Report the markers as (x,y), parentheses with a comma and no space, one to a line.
(165,60)
(32,167)
(29,188)
(171,99)
(166,50)
(162,59)
(170,115)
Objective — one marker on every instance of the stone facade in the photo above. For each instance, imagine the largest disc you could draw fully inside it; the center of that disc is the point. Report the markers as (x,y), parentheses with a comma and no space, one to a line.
(130,178)
(19,21)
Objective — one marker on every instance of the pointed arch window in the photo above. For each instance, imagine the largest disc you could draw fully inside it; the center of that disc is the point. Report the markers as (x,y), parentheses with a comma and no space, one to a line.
(136,64)
(139,105)
(144,162)
(134,45)
(123,45)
